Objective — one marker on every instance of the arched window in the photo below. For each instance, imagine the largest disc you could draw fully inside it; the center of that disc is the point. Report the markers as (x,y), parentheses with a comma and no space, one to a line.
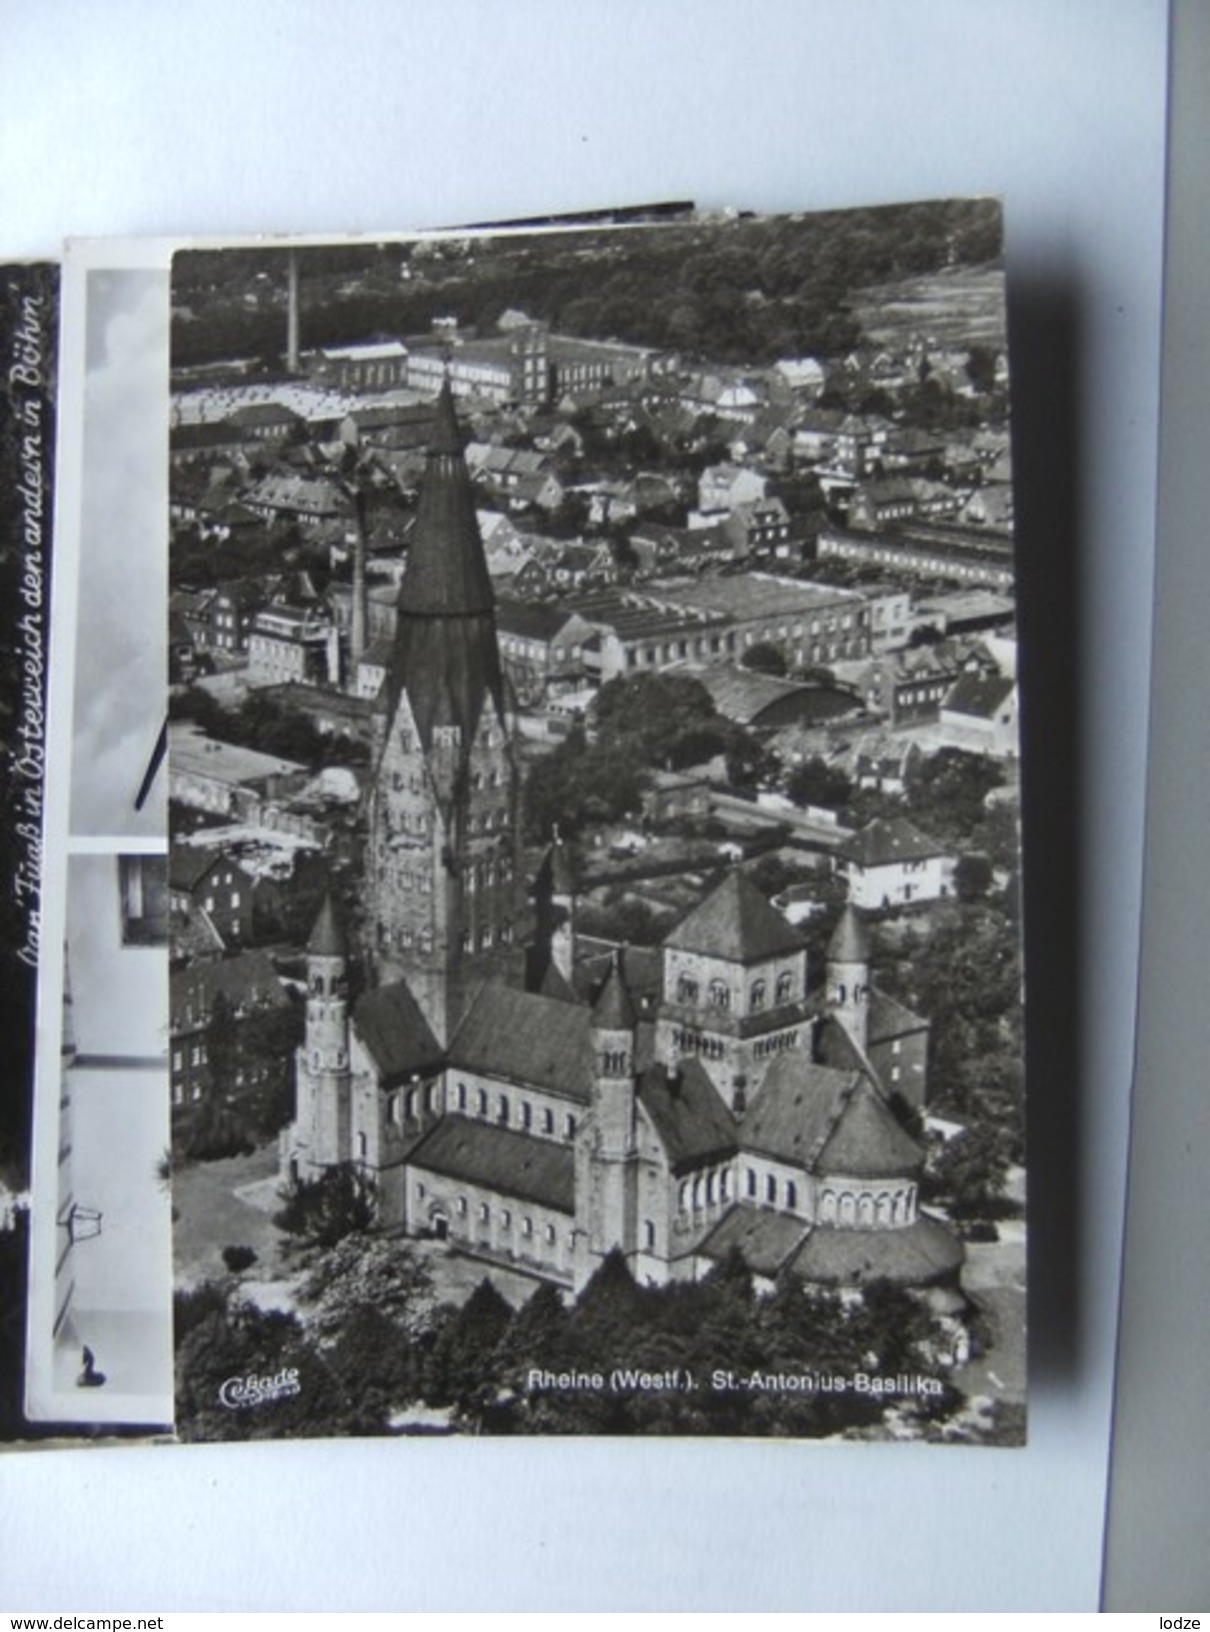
(865,1209)
(785,986)
(502,1111)
(648,1235)
(757,995)
(770,1187)
(481,1101)
(720,995)
(791,1193)
(827,1210)
(686,989)
(710,1190)
(750,1182)
(548,1121)
(848,1208)
(697,1192)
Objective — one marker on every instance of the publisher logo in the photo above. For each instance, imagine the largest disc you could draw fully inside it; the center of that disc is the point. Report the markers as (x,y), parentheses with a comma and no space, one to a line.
(239,1393)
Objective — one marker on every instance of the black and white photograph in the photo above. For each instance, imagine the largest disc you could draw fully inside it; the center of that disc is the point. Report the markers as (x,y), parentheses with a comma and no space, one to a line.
(100,1348)
(96,1358)
(119,678)
(594,878)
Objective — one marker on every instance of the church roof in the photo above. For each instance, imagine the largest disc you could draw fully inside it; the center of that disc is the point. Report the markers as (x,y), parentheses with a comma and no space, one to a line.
(391,1026)
(850,942)
(688,1114)
(766,1239)
(500,1159)
(827,1121)
(917,1253)
(735,922)
(889,1019)
(642,968)
(328,936)
(446,655)
(527,1038)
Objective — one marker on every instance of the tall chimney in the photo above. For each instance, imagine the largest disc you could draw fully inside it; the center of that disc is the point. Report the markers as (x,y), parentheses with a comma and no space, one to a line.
(292,363)
(357,626)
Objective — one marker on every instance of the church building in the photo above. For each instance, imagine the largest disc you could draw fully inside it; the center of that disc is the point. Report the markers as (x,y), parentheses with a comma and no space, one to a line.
(539,1108)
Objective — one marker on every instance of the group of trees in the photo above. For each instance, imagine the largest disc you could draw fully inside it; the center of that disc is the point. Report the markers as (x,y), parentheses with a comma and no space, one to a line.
(644,722)
(746,291)
(371,1345)
(262,722)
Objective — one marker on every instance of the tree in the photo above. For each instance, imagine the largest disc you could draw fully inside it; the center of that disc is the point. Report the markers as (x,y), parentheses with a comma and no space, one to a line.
(766,657)
(249,1373)
(946,792)
(646,714)
(971,1171)
(972,877)
(817,783)
(981,368)
(462,1369)
(323,1211)
(363,1272)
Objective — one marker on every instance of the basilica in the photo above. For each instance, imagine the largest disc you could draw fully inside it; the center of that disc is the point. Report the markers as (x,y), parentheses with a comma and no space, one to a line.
(538,1101)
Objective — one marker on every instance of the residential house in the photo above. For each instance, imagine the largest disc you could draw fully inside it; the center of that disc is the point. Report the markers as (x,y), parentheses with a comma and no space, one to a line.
(890,864)
(979,715)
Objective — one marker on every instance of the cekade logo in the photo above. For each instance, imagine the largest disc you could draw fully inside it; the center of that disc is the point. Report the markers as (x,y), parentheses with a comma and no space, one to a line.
(238,1393)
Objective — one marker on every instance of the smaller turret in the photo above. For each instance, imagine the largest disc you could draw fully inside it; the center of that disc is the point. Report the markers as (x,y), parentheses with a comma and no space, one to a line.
(320,1134)
(607,1152)
(849,975)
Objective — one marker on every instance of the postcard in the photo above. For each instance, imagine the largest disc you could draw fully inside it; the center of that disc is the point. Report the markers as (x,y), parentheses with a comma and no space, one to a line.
(595,995)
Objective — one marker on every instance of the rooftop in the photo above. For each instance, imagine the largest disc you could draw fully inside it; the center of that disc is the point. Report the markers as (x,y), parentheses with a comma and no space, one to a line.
(736,923)
(192,752)
(500,1159)
(888,840)
(527,1038)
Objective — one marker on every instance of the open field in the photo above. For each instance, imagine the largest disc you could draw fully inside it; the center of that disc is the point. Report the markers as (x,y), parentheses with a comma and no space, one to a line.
(961,306)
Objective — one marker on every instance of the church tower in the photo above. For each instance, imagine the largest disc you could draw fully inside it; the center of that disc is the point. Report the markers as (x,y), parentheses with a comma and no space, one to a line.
(442,874)
(320,1135)
(607,1151)
(848,977)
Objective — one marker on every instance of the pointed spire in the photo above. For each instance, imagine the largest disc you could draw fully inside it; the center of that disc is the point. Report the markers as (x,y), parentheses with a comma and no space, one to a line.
(446,655)
(850,941)
(446,572)
(328,936)
(446,437)
(613,1009)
